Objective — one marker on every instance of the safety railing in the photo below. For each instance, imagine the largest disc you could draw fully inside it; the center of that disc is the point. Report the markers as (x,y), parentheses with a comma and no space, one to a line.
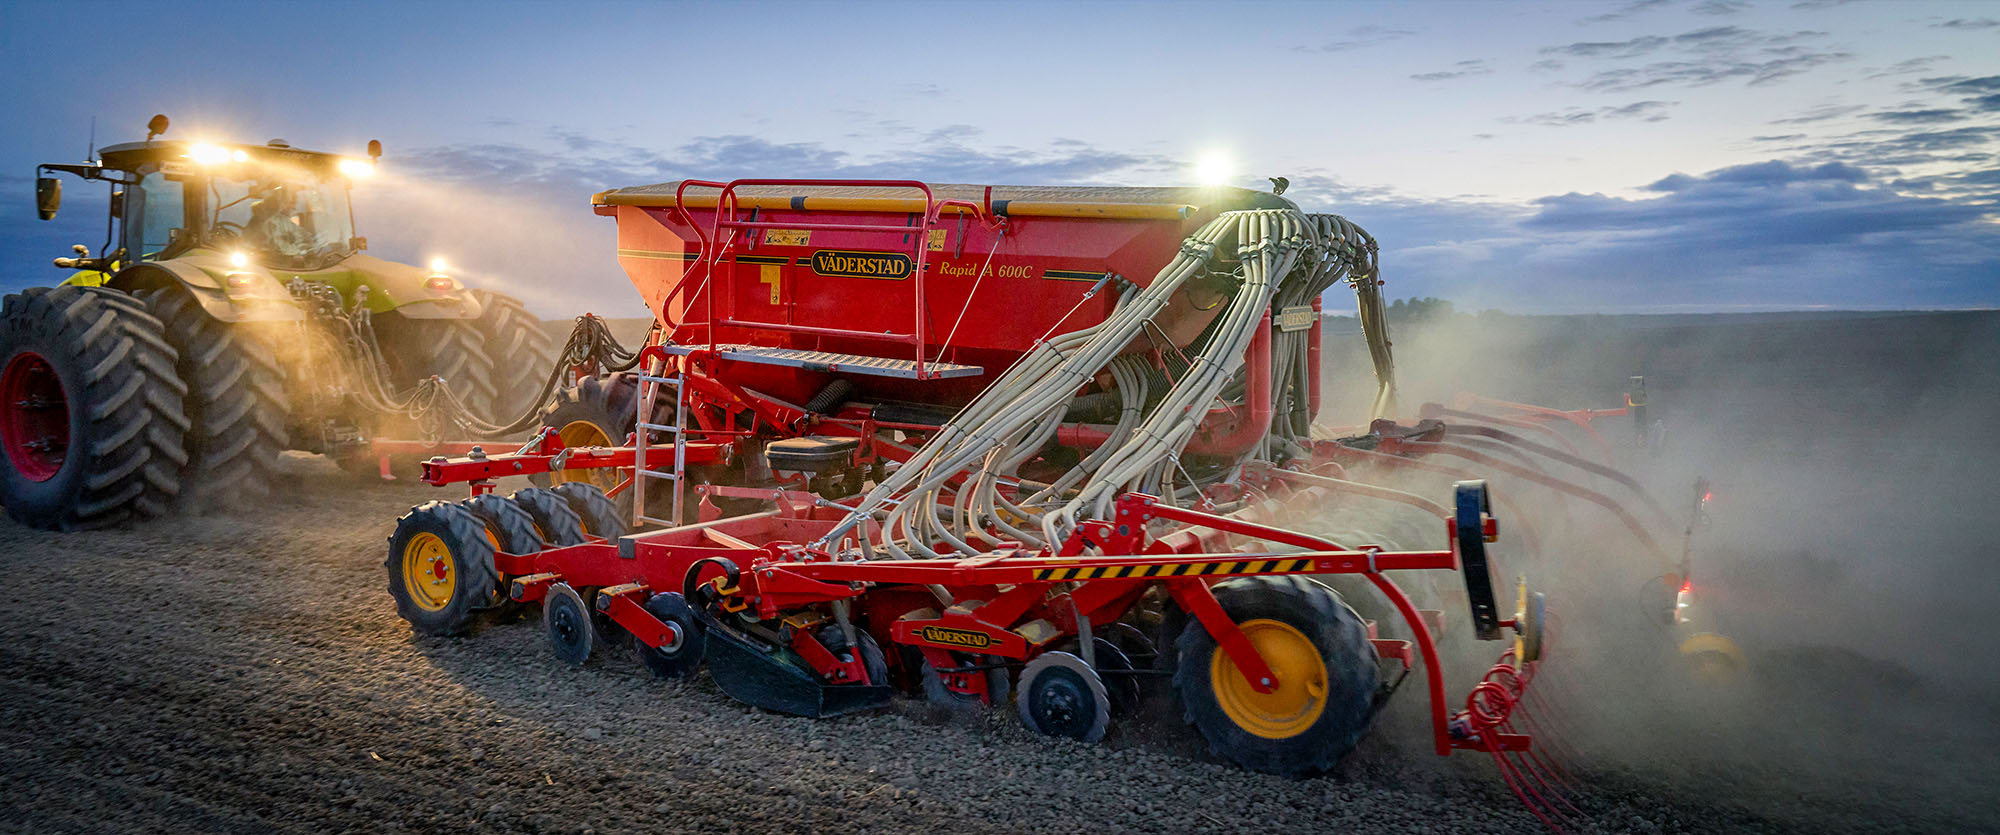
(727,229)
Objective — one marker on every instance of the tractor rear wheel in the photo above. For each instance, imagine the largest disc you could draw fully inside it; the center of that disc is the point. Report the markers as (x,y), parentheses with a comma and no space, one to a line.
(440,568)
(235,404)
(1326,670)
(452,349)
(517,343)
(90,409)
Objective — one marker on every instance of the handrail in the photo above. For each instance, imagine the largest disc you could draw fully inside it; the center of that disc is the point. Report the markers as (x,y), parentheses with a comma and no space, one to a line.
(725,229)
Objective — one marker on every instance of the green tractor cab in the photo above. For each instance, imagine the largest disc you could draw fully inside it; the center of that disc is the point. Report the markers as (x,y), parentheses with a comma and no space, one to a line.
(234,297)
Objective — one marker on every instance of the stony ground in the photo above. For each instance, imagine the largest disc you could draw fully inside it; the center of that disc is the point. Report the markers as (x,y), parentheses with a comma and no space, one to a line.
(249,674)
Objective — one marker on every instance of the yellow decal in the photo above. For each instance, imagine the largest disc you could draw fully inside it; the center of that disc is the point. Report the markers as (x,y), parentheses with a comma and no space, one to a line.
(955,637)
(788,237)
(771,274)
(894,266)
(937,240)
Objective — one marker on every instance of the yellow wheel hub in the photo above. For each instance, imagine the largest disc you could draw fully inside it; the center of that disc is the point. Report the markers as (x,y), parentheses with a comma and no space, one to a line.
(427,572)
(1302,682)
(582,433)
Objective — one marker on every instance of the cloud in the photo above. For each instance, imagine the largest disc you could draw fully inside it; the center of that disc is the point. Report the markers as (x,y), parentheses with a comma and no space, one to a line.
(1819,114)
(1968,24)
(1359,37)
(1911,66)
(1929,116)
(1646,111)
(1712,55)
(1775,234)
(1719,7)
(1462,69)
(1630,9)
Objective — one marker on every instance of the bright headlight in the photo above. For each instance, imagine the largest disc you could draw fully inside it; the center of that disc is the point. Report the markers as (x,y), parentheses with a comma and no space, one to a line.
(238,260)
(355,169)
(207,154)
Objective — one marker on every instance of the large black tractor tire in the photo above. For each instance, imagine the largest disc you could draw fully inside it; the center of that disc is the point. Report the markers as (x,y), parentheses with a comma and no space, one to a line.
(522,352)
(235,404)
(452,349)
(440,566)
(597,411)
(90,409)
(1327,677)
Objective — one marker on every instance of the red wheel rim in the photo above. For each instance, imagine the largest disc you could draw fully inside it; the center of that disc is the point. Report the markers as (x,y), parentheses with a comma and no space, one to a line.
(35,425)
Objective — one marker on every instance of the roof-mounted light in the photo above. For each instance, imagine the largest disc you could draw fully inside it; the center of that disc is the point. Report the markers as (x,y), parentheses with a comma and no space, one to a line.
(207,154)
(355,169)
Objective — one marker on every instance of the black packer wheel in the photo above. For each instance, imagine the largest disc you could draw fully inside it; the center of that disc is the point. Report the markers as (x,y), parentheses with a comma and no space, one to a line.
(566,619)
(1062,696)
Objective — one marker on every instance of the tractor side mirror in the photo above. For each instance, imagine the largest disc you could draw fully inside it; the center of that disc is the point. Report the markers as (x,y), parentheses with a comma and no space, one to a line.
(48,197)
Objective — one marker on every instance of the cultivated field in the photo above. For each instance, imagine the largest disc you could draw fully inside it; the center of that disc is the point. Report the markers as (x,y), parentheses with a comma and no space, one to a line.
(248,673)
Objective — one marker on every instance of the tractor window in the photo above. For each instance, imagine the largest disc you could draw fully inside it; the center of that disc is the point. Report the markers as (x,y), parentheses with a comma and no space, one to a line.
(289,213)
(162,211)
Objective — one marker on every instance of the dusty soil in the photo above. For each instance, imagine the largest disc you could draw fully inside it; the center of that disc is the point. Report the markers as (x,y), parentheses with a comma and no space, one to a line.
(248,674)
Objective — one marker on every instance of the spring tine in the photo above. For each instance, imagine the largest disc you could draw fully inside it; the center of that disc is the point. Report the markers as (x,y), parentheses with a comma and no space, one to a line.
(1522,773)
(1519,788)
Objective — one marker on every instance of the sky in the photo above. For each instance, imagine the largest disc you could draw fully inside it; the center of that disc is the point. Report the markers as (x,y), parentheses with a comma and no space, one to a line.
(1556,157)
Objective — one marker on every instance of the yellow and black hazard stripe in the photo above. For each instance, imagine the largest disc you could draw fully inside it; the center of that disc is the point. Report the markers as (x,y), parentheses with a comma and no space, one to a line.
(1184,569)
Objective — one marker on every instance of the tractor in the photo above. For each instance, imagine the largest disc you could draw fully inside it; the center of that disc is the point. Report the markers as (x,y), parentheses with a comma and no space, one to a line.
(232,313)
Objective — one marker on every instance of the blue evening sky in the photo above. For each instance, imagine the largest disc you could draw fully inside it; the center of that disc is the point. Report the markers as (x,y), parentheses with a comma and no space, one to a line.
(1654,155)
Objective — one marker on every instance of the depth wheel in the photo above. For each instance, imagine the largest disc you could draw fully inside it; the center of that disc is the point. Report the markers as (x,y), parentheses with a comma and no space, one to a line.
(513,334)
(1326,670)
(680,658)
(235,404)
(1062,696)
(90,409)
(567,621)
(441,568)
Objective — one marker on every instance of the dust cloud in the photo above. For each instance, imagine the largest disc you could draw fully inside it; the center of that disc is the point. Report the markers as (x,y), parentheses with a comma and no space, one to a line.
(541,245)
(1847,550)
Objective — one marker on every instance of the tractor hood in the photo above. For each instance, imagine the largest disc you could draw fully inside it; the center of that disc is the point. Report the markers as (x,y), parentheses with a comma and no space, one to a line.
(255,292)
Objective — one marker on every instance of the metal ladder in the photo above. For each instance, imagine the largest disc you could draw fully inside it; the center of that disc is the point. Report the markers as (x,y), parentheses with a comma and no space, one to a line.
(649,390)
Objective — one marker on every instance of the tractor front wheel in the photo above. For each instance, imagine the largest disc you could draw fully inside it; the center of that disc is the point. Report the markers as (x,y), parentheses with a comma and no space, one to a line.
(90,409)
(1325,666)
(235,403)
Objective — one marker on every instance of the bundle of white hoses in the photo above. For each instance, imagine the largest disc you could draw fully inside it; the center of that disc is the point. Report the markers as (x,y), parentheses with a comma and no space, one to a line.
(948,497)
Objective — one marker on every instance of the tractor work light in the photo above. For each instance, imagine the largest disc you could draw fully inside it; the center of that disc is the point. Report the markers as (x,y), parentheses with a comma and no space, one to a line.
(238,260)
(207,154)
(356,169)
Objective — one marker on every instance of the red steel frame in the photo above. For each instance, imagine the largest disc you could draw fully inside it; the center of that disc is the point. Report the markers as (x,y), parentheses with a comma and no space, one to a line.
(778,577)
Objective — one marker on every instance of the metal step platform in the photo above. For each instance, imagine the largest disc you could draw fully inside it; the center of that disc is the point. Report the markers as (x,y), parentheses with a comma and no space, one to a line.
(830,361)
